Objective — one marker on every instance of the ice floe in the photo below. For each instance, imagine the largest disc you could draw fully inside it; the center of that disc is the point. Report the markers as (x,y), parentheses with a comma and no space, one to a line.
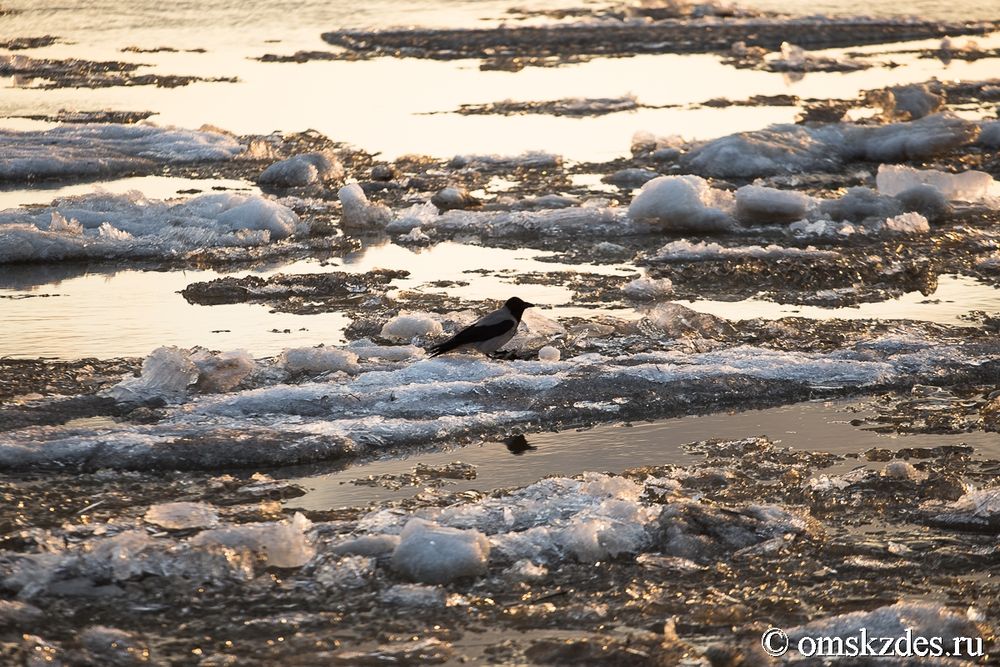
(106,226)
(101,150)
(414,402)
(169,372)
(970,186)
(782,149)
(687,251)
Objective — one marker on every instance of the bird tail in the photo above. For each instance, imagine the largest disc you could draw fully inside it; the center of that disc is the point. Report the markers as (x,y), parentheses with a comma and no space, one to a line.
(440,348)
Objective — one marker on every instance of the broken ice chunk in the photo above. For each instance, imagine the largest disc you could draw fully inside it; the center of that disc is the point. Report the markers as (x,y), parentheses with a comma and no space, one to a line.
(760,205)
(182,515)
(908,223)
(407,326)
(898,620)
(548,353)
(435,554)
(319,360)
(648,289)
(978,510)
(281,544)
(682,203)
(166,373)
(360,213)
(968,186)
(222,372)
(303,169)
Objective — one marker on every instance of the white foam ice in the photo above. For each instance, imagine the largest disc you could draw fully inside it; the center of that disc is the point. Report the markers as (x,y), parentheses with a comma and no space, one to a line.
(592,218)
(106,226)
(782,149)
(970,186)
(683,203)
(105,149)
(687,251)
(434,554)
(303,169)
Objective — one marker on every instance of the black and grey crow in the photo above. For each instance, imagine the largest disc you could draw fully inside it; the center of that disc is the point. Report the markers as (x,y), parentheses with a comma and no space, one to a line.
(489,333)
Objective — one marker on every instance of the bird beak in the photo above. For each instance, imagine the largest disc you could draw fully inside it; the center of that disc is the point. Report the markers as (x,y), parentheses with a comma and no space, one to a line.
(528,305)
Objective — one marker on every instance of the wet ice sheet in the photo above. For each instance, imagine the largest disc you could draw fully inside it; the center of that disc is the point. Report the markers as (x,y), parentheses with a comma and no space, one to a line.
(823,426)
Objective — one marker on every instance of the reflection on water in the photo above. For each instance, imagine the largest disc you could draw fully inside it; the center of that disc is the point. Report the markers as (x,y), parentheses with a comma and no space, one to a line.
(152,187)
(817,426)
(114,311)
(518,445)
(954,297)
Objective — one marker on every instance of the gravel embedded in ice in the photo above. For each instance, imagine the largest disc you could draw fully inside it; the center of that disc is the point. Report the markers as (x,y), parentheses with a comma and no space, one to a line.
(682,203)
(434,554)
(347,573)
(105,149)
(182,515)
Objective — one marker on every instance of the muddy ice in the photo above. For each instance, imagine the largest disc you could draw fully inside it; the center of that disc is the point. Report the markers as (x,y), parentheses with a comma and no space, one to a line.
(150,508)
(689,557)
